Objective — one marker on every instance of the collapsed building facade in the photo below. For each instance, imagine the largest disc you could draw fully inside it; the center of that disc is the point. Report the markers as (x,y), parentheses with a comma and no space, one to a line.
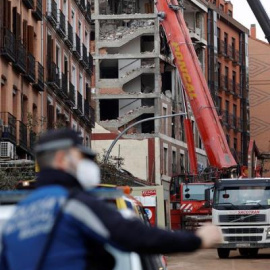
(135,79)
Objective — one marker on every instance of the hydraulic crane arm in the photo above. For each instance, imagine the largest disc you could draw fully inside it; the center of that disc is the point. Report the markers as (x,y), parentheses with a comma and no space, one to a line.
(261,15)
(186,61)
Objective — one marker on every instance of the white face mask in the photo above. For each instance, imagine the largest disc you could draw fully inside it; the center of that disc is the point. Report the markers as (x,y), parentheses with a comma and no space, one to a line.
(88,173)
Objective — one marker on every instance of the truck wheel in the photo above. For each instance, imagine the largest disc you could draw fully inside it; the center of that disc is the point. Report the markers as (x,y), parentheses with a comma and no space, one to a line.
(223,253)
(253,252)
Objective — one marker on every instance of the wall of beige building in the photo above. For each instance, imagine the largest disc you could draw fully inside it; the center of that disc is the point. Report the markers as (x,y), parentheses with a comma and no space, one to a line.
(259,81)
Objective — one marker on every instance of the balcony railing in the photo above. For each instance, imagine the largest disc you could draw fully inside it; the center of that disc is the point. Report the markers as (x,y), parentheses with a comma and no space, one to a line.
(235,57)
(239,124)
(92,117)
(61,25)
(77,46)
(221,45)
(224,83)
(7,44)
(28,3)
(64,88)
(90,66)
(225,117)
(71,95)
(79,103)
(84,59)
(69,36)
(9,127)
(31,68)
(21,56)
(39,84)
(22,135)
(52,12)
(53,75)
(32,141)
(37,12)
(88,12)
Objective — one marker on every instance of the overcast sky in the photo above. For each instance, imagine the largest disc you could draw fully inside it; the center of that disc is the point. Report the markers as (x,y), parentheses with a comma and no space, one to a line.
(245,16)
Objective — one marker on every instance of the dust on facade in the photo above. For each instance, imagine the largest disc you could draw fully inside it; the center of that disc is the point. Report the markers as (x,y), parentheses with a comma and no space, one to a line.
(98,66)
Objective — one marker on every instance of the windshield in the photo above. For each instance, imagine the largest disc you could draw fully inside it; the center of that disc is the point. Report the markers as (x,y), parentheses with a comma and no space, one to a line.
(243,197)
(195,192)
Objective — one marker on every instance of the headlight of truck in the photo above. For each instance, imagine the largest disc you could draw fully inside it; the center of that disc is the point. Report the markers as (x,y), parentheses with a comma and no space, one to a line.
(268,233)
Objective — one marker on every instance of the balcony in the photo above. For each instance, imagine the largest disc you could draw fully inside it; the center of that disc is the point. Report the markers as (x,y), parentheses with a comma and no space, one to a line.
(32,141)
(30,68)
(69,36)
(61,25)
(64,88)
(88,12)
(53,76)
(225,118)
(71,95)
(37,12)
(89,68)
(221,47)
(39,83)
(77,46)
(239,124)
(7,44)
(20,58)
(9,128)
(84,59)
(86,111)
(233,121)
(236,57)
(22,135)
(29,3)
(236,89)
(92,117)
(52,12)
(79,108)
(224,83)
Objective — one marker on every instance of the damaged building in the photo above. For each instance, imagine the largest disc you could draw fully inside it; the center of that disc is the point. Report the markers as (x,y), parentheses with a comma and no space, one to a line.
(135,78)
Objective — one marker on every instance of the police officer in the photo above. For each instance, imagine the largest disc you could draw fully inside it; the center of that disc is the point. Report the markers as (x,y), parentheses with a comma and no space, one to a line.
(61,226)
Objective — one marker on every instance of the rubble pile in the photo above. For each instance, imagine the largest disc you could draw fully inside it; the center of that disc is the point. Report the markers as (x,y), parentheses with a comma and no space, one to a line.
(112,32)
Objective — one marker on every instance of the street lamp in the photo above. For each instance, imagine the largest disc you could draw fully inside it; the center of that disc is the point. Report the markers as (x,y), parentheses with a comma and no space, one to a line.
(134,124)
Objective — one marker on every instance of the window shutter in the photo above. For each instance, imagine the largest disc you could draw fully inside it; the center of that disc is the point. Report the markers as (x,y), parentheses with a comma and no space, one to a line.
(30,39)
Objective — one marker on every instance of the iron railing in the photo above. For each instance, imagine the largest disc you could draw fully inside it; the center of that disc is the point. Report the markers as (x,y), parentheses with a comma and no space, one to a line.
(7,44)
(52,12)
(37,12)
(69,37)
(61,27)
(31,68)
(29,3)
(77,47)
(22,135)
(39,84)
(53,75)
(85,59)
(9,127)
(71,94)
(20,59)
(88,12)
(90,66)
(64,88)
(79,103)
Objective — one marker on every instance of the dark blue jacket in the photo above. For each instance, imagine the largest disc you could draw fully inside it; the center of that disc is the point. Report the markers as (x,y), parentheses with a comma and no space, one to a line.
(86,225)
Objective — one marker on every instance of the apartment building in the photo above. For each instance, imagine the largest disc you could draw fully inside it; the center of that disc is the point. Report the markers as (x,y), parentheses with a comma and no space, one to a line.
(228,75)
(45,69)
(135,79)
(259,80)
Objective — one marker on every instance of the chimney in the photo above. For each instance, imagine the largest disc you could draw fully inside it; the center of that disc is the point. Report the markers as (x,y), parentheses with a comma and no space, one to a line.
(253,31)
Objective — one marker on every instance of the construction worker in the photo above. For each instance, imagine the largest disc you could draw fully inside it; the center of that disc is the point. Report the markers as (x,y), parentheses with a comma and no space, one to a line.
(60,226)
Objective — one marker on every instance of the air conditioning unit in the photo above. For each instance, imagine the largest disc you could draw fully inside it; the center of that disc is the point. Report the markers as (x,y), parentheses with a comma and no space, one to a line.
(7,150)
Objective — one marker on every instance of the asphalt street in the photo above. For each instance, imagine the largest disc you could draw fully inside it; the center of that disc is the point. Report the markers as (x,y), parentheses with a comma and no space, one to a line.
(208,260)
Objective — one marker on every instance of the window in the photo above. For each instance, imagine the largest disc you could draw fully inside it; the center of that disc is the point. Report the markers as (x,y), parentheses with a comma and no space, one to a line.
(58,57)
(233,47)
(164,122)
(234,114)
(219,104)
(226,78)
(221,7)
(80,30)
(235,143)
(225,43)
(165,161)
(234,81)
(230,13)
(174,162)
(219,74)
(81,84)
(218,39)
(227,104)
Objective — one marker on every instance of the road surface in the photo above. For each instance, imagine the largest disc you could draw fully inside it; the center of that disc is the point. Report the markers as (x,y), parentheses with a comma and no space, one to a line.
(208,260)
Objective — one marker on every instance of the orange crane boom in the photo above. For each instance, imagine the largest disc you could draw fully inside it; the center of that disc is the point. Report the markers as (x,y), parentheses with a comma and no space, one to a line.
(195,85)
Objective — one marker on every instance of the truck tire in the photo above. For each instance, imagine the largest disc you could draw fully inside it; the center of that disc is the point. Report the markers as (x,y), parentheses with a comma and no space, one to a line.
(223,253)
(244,251)
(253,252)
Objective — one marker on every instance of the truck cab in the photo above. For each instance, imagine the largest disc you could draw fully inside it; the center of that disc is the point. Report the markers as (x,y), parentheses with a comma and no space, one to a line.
(241,207)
